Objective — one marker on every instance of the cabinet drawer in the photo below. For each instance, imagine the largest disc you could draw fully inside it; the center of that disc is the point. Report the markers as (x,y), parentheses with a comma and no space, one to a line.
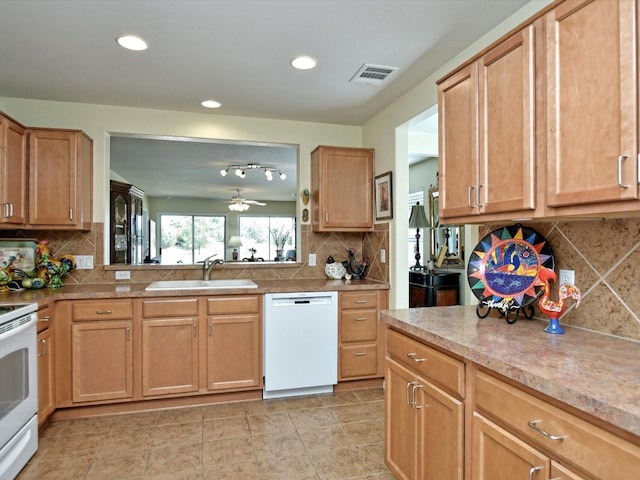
(45,316)
(441,369)
(597,451)
(171,307)
(358,300)
(102,310)
(358,360)
(359,326)
(233,304)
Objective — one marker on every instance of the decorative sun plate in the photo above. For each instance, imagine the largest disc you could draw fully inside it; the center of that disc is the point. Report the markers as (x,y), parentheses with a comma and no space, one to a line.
(504,266)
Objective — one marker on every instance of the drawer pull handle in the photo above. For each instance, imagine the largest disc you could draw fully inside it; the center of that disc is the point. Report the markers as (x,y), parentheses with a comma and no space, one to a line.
(412,356)
(104,312)
(44,319)
(360,319)
(359,354)
(360,301)
(534,424)
(532,471)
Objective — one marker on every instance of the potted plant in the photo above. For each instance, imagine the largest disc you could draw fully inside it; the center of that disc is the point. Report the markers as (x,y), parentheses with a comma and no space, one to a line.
(280,236)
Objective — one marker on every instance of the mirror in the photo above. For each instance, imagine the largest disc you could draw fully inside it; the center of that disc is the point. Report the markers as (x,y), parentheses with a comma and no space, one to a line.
(448,237)
(182,175)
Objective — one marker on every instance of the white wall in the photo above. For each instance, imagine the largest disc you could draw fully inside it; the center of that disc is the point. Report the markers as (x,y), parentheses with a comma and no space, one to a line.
(387,133)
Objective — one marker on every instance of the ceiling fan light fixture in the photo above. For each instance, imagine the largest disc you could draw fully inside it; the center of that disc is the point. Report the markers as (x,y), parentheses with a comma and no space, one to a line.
(238,207)
(224,172)
(268,174)
(304,62)
(239,172)
(132,42)
(282,175)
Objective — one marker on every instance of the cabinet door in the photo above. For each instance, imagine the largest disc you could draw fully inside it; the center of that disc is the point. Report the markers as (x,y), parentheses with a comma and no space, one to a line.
(592,101)
(401,427)
(102,361)
(234,352)
(60,179)
(169,356)
(342,185)
(441,434)
(498,455)
(507,162)
(46,384)
(13,173)
(458,145)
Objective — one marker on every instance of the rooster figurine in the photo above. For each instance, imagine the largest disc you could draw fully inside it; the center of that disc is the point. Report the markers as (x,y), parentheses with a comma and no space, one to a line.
(553,309)
(50,269)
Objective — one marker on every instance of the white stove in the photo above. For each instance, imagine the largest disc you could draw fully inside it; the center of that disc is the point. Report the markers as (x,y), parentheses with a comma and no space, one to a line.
(19,392)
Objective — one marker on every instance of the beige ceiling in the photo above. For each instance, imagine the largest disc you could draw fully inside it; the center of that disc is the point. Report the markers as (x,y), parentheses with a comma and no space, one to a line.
(234,51)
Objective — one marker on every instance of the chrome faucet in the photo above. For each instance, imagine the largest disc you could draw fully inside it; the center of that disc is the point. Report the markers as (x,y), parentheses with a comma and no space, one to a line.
(208,265)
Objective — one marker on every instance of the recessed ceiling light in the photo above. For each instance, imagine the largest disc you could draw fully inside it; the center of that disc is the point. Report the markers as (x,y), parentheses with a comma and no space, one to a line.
(131,42)
(211,104)
(304,62)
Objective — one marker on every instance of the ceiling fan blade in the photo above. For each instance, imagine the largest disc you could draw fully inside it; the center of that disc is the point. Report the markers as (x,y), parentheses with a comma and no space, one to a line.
(253,202)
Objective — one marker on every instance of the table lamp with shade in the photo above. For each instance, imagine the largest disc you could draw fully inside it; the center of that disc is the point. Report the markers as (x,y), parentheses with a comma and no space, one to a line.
(418,220)
(234,242)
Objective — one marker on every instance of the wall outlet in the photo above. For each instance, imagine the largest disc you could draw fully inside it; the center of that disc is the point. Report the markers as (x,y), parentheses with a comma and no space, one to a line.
(567,276)
(312,259)
(123,275)
(383,255)
(84,262)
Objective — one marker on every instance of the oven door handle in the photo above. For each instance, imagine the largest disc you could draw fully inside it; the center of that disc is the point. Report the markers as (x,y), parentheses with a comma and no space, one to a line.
(16,331)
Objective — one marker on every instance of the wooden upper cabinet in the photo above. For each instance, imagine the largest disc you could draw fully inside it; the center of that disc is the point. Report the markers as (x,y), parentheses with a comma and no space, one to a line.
(13,173)
(487,132)
(60,179)
(592,103)
(507,125)
(342,189)
(458,128)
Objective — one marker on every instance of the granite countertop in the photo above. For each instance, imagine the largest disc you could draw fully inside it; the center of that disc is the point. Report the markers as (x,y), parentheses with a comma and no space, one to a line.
(135,290)
(594,373)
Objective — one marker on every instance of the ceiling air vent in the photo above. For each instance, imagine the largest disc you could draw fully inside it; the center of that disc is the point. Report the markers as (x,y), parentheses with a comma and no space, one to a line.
(372,74)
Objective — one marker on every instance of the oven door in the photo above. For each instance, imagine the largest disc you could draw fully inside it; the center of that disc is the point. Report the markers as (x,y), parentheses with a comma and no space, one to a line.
(18,376)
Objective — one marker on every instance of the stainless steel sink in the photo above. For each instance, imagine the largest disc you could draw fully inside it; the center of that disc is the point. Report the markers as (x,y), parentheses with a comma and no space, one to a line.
(200,284)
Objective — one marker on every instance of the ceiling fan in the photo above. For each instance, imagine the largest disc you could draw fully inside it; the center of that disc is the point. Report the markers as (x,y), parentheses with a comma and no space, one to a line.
(239,204)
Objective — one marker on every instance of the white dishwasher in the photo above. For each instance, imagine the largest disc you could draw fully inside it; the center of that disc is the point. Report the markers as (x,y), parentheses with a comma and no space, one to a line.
(300,343)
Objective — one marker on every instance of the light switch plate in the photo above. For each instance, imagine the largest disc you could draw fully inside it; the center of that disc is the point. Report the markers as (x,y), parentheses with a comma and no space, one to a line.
(312,259)
(567,276)
(84,262)
(383,255)
(123,275)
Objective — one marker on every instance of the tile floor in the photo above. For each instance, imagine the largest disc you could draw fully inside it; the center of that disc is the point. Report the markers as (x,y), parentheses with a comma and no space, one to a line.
(328,437)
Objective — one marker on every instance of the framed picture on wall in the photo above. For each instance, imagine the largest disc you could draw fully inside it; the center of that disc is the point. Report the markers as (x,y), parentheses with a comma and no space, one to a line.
(384,199)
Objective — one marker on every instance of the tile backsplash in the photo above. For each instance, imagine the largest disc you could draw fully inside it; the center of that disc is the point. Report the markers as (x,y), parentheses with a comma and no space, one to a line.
(604,255)
(336,244)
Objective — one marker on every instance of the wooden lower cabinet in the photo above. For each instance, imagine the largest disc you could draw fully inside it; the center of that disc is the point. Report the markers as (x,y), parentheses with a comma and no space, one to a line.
(361,337)
(117,350)
(498,455)
(169,356)
(234,342)
(424,427)
(46,383)
(102,361)
(170,346)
